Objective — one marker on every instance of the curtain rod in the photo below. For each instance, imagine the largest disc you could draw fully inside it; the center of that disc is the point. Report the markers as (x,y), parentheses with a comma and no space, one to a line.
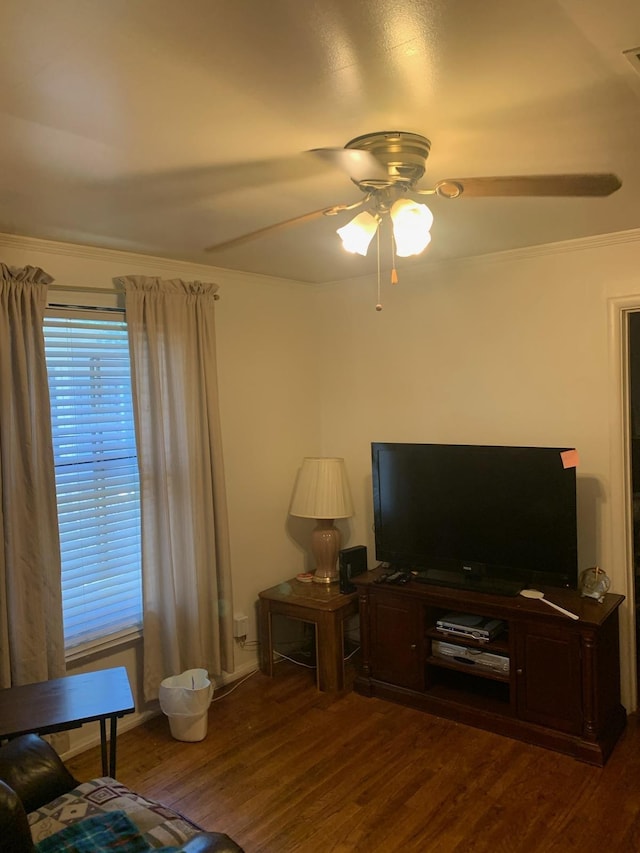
(65,287)
(103,308)
(61,288)
(104,290)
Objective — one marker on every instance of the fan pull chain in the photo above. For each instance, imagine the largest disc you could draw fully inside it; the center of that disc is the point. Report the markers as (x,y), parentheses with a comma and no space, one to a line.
(379,304)
(394,271)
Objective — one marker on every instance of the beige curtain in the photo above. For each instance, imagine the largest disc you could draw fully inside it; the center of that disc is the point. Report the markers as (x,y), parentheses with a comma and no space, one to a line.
(31,632)
(186,574)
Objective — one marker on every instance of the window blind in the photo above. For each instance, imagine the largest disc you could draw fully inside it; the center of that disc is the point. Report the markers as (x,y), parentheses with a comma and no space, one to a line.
(96,471)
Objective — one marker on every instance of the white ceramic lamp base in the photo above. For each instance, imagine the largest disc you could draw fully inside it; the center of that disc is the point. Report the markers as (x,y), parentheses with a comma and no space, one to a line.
(325,544)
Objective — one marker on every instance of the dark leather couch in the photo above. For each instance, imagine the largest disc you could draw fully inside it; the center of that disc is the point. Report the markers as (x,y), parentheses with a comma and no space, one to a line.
(32,775)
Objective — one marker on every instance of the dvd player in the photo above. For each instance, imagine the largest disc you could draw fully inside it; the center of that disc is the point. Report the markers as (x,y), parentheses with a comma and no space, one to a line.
(470,625)
(470,657)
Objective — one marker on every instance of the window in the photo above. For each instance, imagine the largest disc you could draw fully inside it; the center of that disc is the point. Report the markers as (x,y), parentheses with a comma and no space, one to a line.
(96,469)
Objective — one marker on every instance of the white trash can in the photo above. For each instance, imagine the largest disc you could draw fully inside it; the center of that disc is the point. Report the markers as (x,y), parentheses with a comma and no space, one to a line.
(185,699)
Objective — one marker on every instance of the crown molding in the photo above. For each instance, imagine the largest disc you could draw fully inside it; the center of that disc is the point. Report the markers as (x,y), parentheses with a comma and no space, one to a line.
(135,260)
(182,268)
(579,244)
(543,250)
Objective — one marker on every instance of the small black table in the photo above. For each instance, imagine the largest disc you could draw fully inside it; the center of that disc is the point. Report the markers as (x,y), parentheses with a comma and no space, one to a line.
(66,703)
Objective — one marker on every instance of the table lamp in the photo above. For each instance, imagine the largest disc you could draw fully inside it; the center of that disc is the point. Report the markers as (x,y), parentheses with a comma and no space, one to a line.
(322,492)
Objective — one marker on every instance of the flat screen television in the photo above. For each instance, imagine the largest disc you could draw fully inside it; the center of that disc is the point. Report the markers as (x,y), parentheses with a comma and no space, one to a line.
(476,515)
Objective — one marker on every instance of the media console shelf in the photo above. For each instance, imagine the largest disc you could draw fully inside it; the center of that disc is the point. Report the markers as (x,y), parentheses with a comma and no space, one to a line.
(556,682)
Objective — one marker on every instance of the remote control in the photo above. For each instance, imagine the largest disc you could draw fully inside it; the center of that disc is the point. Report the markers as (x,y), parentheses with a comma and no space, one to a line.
(399,577)
(383,577)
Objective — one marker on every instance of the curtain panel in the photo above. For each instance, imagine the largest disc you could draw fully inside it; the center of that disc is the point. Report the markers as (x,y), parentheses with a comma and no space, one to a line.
(186,573)
(31,629)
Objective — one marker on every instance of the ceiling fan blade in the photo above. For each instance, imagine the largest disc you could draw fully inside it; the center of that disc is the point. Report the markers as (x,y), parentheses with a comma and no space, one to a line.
(602,184)
(179,186)
(359,164)
(277,226)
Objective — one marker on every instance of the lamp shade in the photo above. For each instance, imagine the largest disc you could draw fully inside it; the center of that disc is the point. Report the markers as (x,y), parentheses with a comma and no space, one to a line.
(357,234)
(411,225)
(322,489)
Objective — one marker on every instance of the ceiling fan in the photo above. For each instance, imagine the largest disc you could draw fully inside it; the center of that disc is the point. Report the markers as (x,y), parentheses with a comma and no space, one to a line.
(387,167)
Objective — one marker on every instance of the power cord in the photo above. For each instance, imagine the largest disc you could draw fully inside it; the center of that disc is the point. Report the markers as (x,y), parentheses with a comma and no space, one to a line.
(254,644)
(234,686)
(280,656)
(351,654)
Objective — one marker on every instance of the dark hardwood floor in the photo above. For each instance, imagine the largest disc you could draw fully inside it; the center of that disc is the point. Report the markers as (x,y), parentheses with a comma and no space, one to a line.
(285,768)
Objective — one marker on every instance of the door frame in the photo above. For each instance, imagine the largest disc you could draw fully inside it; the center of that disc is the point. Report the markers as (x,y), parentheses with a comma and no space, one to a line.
(621,504)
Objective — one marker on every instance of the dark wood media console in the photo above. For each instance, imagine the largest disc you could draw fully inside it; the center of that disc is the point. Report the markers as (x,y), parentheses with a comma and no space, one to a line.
(562,687)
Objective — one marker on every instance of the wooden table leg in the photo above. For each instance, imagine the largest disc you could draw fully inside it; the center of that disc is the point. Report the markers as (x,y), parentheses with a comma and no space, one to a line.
(330,652)
(266,638)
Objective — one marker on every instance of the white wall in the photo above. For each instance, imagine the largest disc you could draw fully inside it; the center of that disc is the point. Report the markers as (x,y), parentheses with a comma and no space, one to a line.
(511,349)
(267,359)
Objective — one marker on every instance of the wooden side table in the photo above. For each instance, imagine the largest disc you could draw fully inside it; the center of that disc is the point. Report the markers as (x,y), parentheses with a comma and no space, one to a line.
(326,608)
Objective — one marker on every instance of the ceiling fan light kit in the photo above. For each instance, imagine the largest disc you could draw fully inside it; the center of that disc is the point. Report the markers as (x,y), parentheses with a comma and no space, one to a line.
(411,226)
(386,166)
(357,234)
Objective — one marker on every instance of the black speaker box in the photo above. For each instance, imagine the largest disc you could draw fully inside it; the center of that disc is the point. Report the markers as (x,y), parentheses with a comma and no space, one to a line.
(351,562)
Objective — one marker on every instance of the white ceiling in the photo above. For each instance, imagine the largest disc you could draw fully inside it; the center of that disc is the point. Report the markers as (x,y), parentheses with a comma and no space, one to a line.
(162,127)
